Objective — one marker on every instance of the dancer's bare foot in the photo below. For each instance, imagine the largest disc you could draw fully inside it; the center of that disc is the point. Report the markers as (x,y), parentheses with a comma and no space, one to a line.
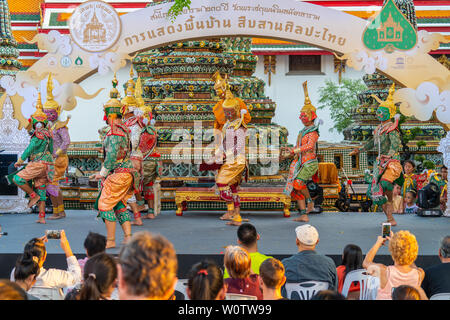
(126,238)
(41,220)
(227,216)
(110,243)
(310,207)
(392,222)
(302,218)
(137,222)
(62,214)
(33,200)
(234,223)
(148,216)
(56,216)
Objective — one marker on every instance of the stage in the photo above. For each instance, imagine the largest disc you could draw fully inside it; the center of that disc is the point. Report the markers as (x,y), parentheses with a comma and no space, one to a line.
(201,234)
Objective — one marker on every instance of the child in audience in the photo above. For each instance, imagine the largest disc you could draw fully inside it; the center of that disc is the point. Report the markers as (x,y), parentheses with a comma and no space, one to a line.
(397,199)
(409,176)
(410,202)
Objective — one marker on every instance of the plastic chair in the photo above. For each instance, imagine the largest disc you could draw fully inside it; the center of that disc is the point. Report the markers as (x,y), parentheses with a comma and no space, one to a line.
(236,296)
(440,296)
(304,290)
(368,284)
(181,287)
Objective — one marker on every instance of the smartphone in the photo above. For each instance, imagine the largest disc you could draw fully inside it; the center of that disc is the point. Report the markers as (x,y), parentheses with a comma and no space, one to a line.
(53,234)
(386,229)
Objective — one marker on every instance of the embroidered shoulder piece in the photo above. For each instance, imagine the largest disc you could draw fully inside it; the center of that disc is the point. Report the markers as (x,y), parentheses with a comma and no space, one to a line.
(118,130)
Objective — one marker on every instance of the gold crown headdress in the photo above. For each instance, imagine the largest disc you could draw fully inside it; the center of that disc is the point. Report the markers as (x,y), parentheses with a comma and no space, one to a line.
(129,99)
(308,108)
(389,102)
(51,104)
(38,115)
(220,82)
(113,106)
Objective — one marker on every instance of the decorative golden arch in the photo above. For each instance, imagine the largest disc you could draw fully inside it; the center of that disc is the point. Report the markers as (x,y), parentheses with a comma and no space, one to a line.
(294,21)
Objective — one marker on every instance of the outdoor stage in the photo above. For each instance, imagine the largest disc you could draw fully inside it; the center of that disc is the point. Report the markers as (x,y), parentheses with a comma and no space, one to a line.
(196,235)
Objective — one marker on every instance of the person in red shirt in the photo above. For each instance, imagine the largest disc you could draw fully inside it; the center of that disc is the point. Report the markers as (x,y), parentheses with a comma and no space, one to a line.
(352,259)
(238,264)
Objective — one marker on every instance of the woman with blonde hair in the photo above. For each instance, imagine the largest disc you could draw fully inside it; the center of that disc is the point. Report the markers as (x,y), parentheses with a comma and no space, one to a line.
(404,249)
(242,280)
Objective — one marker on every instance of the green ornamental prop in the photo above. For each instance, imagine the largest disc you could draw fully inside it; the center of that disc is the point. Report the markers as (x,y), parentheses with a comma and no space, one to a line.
(390,30)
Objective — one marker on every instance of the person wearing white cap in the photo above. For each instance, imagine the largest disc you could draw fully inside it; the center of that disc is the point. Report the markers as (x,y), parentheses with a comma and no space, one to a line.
(307,264)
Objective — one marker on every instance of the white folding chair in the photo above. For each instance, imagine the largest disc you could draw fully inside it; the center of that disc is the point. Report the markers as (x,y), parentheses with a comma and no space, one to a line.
(367,284)
(236,296)
(440,296)
(304,290)
(181,287)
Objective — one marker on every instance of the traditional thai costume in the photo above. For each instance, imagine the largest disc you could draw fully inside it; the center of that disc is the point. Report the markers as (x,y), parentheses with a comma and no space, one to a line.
(305,165)
(120,179)
(61,142)
(386,138)
(233,151)
(40,166)
(221,84)
(443,187)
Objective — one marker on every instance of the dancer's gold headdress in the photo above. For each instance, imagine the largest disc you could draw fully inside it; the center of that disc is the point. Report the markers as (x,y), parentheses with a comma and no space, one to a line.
(308,108)
(51,104)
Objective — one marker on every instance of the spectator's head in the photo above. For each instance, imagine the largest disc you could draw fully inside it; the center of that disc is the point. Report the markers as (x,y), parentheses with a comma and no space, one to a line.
(328,295)
(100,275)
(147,268)
(205,282)
(271,274)
(410,197)
(405,292)
(26,271)
(397,190)
(36,248)
(352,258)
(444,172)
(307,237)
(409,166)
(94,243)
(237,261)
(11,291)
(247,235)
(403,248)
(444,250)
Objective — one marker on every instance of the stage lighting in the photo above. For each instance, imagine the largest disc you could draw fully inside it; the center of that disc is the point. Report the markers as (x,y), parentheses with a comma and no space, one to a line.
(428,201)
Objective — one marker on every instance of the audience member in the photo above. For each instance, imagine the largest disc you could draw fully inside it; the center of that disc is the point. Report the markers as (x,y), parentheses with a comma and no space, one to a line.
(404,249)
(352,259)
(147,268)
(11,291)
(405,292)
(242,281)
(410,179)
(437,278)
(100,276)
(307,264)
(248,239)
(26,272)
(397,199)
(93,244)
(49,283)
(271,279)
(410,202)
(205,282)
(328,295)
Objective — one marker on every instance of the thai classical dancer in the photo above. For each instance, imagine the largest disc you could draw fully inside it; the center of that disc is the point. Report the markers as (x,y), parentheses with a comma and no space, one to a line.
(152,164)
(220,86)
(132,119)
(40,169)
(119,179)
(387,170)
(233,152)
(61,141)
(304,165)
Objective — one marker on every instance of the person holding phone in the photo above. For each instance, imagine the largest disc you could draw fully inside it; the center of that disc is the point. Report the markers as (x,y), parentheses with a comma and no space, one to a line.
(404,249)
(50,282)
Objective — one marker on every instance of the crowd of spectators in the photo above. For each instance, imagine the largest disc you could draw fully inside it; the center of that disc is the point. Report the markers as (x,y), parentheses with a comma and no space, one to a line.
(146,269)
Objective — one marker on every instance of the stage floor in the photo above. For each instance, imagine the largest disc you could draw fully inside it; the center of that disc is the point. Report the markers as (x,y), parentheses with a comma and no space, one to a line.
(203,232)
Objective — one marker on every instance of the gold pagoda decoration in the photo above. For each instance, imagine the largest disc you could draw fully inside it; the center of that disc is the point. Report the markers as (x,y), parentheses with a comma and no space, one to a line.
(390,31)
(95,31)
